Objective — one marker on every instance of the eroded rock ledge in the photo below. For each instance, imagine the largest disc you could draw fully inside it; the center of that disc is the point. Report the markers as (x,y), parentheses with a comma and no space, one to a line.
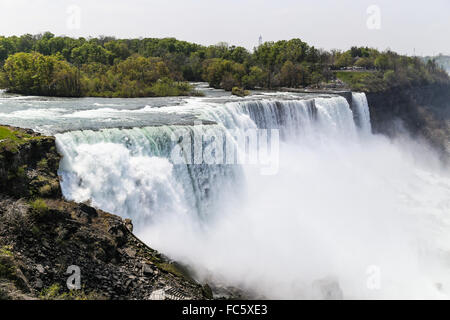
(41,235)
(423,111)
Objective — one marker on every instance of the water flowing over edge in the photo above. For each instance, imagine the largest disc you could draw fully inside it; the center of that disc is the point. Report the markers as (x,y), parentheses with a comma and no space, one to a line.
(129,172)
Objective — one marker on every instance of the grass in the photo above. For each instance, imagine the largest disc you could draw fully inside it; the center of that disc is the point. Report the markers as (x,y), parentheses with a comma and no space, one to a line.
(45,190)
(54,293)
(7,269)
(175,269)
(11,139)
(8,133)
(168,267)
(39,205)
(41,211)
(43,214)
(362,81)
(6,251)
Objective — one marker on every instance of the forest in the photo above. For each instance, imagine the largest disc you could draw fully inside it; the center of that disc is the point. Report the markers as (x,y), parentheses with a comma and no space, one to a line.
(50,65)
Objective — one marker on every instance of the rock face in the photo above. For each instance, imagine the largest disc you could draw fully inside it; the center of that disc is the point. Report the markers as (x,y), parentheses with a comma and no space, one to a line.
(41,235)
(28,164)
(423,111)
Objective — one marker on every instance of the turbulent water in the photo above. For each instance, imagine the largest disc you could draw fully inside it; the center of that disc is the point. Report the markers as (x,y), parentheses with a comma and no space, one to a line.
(328,211)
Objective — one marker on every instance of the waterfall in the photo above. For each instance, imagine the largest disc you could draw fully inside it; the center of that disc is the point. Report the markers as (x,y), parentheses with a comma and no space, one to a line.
(292,117)
(129,172)
(361,111)
(335,211)
(133,167)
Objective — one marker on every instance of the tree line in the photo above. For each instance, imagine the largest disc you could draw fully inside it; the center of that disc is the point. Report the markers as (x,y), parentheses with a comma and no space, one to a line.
(62,66)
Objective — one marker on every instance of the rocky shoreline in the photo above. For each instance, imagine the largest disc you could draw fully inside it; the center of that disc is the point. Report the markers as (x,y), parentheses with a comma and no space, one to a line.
(42,235)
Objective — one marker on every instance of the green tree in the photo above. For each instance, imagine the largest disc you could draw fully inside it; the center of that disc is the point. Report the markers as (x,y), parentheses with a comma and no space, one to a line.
(36,74)
(344,60)
(290,75)
(382,62)
(90,52)
(255,78)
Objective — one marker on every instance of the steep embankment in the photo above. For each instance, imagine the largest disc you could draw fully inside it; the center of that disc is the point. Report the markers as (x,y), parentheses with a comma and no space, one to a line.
(423,111)
(41,235)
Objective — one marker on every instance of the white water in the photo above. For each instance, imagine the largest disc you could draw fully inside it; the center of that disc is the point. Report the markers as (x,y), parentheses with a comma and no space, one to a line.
(345,207)
(361,111)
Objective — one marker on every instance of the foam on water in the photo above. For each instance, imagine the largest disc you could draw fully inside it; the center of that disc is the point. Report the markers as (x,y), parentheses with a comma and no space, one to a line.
(347,210)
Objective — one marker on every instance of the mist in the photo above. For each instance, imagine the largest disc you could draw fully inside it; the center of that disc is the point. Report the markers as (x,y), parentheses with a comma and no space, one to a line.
(332,212)
(349,214)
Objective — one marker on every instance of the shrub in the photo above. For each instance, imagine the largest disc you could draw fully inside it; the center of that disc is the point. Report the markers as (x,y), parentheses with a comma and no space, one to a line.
(45,190)
(54,292)
(6,251)
(42,165)
(166,87)
(239,92)
(39,205)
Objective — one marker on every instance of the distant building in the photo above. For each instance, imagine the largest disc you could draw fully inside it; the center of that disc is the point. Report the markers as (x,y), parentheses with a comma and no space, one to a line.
(260,41)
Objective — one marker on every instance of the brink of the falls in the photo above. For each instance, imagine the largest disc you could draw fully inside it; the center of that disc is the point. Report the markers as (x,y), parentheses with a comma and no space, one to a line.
(349,210)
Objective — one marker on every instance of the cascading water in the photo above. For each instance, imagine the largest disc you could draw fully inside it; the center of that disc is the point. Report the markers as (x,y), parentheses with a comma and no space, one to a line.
(346,209)
(361,112)
(133,168)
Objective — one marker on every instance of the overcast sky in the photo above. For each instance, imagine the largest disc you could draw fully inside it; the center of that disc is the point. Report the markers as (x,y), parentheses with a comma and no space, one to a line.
(400,25)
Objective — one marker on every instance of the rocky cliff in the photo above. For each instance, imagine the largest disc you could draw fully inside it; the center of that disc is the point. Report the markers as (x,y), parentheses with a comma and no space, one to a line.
(422,111)
(41,235)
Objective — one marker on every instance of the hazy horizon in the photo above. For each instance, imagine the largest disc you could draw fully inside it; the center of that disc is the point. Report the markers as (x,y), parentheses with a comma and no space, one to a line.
(407,27)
